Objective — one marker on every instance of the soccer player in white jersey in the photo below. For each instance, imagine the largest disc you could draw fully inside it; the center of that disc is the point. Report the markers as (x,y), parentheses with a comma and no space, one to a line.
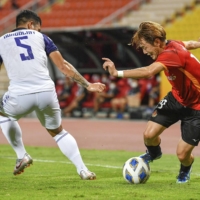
(24,54)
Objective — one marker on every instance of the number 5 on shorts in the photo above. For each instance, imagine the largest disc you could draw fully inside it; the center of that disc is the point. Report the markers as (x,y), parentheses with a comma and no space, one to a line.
(27,47)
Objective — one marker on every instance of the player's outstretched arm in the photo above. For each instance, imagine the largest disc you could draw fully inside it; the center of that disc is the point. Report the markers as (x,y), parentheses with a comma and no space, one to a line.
(143,72)
(68,70)
(110,67)
(192,44)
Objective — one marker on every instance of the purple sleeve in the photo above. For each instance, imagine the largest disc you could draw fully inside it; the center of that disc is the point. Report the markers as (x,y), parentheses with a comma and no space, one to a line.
(49,45)
(1,60)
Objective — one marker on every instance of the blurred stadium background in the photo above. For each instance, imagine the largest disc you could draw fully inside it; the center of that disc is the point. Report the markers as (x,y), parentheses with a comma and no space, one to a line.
(87,30)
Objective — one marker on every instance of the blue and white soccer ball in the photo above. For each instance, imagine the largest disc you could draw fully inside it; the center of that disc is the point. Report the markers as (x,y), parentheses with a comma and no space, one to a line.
(136,170)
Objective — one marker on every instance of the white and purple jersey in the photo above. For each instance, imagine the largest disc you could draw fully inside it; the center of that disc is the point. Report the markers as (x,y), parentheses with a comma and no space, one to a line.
(24,54)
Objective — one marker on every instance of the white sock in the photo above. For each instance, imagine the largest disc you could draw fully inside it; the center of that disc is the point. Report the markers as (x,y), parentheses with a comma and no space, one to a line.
(69,148)
(13,134)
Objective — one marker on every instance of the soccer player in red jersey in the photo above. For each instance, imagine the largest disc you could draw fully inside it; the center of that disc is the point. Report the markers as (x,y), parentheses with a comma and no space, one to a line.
(182,103)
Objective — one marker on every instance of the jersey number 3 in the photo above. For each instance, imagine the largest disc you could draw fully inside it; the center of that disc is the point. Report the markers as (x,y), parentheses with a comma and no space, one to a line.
(27,47)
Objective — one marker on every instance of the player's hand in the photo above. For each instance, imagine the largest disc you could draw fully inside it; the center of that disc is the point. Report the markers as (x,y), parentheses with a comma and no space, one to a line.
(96,87)
(109,66)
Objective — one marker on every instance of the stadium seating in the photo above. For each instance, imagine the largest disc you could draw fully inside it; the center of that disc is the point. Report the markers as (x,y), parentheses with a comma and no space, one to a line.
(9,11)
(156,10)
(9,7)
(186,28)
(80,13)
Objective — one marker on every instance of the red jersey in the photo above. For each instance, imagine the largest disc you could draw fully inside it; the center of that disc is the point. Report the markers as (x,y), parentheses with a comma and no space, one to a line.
(183,72)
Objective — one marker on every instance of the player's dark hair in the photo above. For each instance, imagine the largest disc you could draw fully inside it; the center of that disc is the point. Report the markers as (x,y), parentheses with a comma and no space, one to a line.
(27,15)
(148,31)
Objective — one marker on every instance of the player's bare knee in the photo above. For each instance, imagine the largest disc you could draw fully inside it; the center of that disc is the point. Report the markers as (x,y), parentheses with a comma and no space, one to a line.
(182,156)
(148,137)
(54,132)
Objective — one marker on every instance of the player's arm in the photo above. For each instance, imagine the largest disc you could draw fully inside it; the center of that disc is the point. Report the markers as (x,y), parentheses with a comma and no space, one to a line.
(143,72)
(192,44)
(68,70)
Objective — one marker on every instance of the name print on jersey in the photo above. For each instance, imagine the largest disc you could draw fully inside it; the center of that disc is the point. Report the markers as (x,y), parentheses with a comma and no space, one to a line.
(18,33)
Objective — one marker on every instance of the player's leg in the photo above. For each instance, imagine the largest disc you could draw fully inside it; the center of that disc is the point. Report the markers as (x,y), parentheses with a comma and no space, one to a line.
(12,130)
(190,137)
(13,134)
(152,141)
(152,133)
(164,115)
(50,117)
(184,154)
(68,146)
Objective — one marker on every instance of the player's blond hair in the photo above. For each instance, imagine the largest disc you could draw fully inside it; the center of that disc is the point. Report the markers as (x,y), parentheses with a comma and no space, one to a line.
(148,31)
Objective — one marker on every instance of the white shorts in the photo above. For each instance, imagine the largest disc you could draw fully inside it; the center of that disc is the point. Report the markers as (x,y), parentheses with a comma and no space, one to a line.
(45,104)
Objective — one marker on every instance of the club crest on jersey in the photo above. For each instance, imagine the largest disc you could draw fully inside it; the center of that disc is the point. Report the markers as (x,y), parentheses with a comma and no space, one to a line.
(154,114)
(171,78)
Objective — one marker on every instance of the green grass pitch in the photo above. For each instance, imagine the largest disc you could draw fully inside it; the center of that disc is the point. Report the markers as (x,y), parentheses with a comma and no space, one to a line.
(53,177)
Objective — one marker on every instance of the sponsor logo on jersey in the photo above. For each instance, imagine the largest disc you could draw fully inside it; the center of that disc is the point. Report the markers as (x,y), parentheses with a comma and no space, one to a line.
(195,140)
(171,78)
(154,114)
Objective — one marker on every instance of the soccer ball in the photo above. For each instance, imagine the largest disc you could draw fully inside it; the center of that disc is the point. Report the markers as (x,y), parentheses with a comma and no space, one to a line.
(136,170)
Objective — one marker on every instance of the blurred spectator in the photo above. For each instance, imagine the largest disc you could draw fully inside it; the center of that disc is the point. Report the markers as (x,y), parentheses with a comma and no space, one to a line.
(106,79)
(59,84)
(77,101)
(146,86)
(106,96)
(64,91)
(154,93)
(80,95)
(118,103)
(121,95)
(95,78)
(134,95)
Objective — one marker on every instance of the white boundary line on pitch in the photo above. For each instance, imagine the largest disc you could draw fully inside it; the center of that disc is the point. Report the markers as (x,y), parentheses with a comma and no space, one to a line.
(87,164)
(66,162)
